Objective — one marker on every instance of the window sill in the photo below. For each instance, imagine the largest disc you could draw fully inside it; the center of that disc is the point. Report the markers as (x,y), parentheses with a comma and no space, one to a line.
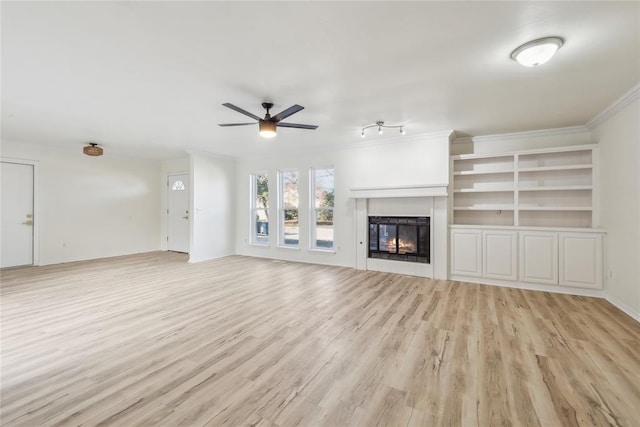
(290,248)
(259,245)
(323,251)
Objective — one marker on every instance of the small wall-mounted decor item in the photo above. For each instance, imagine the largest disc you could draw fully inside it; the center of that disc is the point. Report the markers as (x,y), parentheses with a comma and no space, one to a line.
(92,149)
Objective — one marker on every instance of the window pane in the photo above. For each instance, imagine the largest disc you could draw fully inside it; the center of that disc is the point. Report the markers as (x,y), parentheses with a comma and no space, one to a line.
(178,186)
(407,239)
(262,227)
(262,191)
(291,227)
(387,238)
(324,185)
(324,229)
(290,189)
(423,240)
(373,237)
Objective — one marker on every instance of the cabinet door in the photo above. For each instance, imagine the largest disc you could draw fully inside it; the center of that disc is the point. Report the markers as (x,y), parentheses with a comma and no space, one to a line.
(539,257)
(500,252)
(466,252)
(581,260)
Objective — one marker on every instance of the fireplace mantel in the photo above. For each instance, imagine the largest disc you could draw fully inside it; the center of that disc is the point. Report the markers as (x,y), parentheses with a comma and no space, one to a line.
(436,190)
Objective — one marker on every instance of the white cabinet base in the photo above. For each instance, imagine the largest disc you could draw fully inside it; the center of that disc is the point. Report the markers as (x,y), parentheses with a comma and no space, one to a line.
(539,257)
(466,252)
(500,250)
(570,290)
(527,258)
(580,260)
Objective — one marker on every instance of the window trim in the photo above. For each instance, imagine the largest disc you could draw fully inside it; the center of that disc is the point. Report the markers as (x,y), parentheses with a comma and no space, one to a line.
(313,246)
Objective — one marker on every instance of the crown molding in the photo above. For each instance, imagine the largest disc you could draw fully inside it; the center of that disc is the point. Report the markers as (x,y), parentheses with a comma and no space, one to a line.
(630,96)
(519,135)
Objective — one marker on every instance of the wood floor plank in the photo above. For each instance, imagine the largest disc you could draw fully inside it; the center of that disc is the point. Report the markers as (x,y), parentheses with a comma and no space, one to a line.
(150,339)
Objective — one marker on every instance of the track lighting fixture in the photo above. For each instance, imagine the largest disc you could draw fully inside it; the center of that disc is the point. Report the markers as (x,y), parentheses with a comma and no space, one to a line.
(380,124)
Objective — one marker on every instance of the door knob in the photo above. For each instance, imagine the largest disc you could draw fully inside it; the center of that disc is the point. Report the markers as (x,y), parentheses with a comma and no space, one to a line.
(186,216)
(29,222)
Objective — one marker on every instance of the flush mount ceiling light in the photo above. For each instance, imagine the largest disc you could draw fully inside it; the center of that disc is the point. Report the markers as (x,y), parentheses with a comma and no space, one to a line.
(380,124)
(92,150)
(537,52)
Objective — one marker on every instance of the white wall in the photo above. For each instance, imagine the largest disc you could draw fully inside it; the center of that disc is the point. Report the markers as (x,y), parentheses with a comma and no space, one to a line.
(212,206)
(92,207)
(619,141)
(412,161)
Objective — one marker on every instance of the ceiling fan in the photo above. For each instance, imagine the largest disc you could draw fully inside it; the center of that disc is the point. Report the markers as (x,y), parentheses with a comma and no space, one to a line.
(268,125)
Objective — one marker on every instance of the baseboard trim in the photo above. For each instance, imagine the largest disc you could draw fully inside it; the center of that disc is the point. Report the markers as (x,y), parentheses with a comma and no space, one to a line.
(623,307)
(598,293)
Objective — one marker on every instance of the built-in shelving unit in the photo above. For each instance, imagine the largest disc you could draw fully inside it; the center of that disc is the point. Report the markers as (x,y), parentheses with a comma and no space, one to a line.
(537,188)
(526,217)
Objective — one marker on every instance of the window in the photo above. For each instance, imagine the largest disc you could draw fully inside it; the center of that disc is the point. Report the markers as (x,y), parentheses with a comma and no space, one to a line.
(259,208)
(289,230)
(322,186)
(177,186)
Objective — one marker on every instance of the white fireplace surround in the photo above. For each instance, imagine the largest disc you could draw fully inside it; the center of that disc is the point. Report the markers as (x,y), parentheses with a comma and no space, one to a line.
(422,200)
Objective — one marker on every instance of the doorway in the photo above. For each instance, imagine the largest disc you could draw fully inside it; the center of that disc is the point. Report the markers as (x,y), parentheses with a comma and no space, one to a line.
(17,220)
(178,216)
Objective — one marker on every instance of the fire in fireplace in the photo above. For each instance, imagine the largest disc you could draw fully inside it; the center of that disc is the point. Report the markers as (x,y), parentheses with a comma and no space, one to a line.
(400,238)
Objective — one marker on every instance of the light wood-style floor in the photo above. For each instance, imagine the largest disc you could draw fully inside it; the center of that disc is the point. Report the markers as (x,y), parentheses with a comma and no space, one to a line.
(152,340)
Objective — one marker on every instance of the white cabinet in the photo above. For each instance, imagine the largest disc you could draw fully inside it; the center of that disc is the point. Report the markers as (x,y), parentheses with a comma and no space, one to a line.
(490,253)
(466,252)
(520,215)
(571,259)
(580,260)
(539,257)
(500,254)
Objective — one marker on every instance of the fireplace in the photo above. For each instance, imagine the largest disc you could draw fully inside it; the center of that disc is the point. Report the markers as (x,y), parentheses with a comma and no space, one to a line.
(400,238)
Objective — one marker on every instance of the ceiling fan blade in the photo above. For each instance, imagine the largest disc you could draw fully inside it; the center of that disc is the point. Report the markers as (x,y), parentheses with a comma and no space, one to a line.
(241,111)
(296,125)
(235,124)
(286,113)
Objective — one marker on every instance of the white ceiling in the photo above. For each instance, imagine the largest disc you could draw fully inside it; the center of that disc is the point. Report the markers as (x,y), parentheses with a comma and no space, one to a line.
(148,78)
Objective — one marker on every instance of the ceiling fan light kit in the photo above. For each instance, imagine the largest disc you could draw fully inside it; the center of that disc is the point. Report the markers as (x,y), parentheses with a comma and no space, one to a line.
(92,150)
(380,124)
(267,129)
(267,125)
(537,52)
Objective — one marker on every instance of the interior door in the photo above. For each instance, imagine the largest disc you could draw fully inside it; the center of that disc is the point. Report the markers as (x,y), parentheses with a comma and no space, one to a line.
(178,213)
(16,213)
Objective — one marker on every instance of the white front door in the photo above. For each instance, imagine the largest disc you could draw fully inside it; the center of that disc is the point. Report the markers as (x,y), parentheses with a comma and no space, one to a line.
(16,201)
(178,213)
